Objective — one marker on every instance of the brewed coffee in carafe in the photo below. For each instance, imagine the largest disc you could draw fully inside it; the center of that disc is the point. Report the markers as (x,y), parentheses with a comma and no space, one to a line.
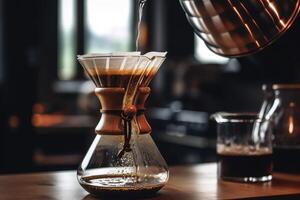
(123,159)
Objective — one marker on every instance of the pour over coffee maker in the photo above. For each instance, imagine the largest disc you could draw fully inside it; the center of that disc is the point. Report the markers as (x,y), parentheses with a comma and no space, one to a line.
(123,159)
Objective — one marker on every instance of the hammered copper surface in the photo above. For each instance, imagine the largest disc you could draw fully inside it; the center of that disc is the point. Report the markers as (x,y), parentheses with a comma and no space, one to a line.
(238,27)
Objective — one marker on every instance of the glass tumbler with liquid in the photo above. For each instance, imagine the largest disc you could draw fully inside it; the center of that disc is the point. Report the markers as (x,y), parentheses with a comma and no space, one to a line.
(244,147)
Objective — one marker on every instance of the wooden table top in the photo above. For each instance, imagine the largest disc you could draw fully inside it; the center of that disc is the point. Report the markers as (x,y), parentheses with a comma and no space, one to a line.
(189,182)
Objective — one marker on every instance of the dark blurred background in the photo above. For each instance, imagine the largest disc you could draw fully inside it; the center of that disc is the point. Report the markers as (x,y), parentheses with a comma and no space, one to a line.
(48,111)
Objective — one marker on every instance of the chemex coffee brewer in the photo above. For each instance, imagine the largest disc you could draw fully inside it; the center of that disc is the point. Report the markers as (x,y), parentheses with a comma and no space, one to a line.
(123,159)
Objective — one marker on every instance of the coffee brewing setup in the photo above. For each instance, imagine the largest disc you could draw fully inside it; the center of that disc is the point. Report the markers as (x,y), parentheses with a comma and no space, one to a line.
(123,159)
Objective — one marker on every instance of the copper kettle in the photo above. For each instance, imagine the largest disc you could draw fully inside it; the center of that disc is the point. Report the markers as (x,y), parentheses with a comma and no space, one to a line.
(234,28)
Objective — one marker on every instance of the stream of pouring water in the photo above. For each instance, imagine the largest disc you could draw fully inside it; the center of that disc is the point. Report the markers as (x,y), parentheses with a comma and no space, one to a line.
(141,4)
(140,16)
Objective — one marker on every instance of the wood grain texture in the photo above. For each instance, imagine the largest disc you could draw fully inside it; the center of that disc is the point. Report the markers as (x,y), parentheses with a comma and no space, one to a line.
(190,182)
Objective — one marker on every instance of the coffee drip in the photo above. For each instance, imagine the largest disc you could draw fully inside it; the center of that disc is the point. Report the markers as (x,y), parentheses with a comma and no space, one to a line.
(123,157)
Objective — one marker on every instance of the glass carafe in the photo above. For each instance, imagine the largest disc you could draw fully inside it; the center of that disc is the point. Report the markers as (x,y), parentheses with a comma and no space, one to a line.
(283,108)
(123,159)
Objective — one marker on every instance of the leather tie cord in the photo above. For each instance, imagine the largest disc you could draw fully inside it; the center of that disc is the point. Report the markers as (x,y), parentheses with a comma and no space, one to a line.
(127,116)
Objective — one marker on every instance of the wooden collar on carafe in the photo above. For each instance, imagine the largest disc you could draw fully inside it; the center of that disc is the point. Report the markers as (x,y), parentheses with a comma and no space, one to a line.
(113,115)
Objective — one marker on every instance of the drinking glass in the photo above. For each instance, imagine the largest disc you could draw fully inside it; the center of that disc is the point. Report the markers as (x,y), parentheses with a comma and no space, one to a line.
(244,147)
